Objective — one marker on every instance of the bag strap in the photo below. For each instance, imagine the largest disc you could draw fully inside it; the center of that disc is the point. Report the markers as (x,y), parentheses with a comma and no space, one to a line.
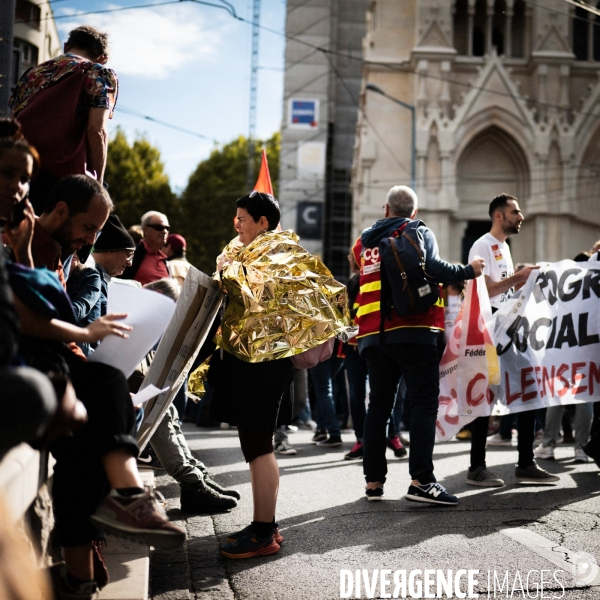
(403,274)
(399,262)
(418,249)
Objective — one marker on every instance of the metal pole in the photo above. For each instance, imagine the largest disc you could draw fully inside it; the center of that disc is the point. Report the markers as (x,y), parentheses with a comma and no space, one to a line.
(7,20)
(413,113)
(413,161)
(253,87)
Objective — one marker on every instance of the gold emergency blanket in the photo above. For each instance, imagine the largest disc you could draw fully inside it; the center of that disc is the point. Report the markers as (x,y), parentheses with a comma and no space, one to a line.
(281,300)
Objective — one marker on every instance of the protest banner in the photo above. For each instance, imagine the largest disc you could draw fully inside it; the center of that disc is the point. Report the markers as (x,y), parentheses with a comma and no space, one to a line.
(548,345)
(196,309)
(550,348)
(469,364)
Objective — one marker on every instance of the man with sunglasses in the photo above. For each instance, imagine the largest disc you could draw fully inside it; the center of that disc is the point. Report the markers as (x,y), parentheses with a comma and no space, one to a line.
(149,262)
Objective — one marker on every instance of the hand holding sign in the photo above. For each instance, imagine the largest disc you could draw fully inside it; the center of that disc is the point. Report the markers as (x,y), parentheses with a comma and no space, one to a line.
(478,265)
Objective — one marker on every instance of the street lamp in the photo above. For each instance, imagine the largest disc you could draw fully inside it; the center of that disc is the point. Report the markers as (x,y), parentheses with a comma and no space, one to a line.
(413,163)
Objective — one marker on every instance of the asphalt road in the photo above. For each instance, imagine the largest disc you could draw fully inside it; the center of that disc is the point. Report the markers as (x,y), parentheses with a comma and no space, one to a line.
(513,537)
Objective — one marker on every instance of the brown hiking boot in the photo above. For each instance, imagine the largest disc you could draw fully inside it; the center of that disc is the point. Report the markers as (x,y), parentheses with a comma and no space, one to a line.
(139,518)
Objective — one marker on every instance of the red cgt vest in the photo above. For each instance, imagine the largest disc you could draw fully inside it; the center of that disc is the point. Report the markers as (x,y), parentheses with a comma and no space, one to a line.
(368,317)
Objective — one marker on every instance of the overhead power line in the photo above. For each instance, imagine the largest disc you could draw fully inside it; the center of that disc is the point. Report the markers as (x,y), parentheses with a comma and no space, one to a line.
(585,6)
(135,113)
(228,7)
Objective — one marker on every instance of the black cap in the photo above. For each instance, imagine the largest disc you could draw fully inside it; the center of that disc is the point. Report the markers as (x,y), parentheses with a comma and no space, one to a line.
(113,237)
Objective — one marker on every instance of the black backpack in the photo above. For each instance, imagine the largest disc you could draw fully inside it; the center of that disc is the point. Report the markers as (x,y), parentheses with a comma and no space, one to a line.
(405,284)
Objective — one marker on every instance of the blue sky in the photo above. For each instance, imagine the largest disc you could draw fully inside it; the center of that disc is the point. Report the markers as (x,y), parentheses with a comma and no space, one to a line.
(189,65)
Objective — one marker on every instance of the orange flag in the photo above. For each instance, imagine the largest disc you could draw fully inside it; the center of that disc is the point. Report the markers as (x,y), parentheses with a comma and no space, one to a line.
(263,183)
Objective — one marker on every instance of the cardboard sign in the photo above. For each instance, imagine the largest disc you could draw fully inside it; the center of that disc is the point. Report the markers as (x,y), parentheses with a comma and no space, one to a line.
(196,309)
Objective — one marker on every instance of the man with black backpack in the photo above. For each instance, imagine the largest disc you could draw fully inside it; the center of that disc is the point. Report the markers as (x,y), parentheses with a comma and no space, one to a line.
(399,318)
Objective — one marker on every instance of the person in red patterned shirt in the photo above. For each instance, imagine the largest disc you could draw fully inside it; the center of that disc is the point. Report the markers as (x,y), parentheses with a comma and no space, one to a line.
(63,106)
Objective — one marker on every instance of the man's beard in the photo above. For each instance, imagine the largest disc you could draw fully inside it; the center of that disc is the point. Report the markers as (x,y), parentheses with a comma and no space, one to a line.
(510,229)
(63,236)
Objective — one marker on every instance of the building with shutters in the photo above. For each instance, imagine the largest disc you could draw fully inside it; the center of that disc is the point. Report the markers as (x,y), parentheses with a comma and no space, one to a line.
(36,38)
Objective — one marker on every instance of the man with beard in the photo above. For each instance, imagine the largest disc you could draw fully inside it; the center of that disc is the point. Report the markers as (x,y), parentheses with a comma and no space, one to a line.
(500,279)
(96,482)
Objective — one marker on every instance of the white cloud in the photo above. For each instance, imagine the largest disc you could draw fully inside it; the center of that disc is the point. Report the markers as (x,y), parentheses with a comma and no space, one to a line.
(154,42)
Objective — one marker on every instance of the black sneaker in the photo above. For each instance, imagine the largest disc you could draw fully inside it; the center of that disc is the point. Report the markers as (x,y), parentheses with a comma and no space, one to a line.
(148,460)
(592,452)
(433,493)
(534,474)
(484,478)
(320,435)
(374,495)
(200,498)
(211,483)
(395,444)
(331,442)
(356,453)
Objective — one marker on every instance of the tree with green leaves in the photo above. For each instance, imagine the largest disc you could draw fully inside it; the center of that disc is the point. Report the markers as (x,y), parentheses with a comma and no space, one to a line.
(137,181)
(207,204)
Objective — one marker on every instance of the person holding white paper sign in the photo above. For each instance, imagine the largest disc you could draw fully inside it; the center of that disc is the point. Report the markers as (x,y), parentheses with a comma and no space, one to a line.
(95,477)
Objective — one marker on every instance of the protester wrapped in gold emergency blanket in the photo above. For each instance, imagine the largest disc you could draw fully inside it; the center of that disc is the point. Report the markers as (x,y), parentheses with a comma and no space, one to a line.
(281,300)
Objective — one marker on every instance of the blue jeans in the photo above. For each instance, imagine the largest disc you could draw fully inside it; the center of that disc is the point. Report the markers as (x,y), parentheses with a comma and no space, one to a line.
(356,369)
(418,363)
(322,376)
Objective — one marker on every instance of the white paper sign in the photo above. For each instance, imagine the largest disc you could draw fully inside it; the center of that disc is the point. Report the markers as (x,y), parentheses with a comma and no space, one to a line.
(148,313)
(147,394)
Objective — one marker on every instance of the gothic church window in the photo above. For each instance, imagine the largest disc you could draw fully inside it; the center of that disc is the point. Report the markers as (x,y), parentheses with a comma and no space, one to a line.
(478,27)
(586,34)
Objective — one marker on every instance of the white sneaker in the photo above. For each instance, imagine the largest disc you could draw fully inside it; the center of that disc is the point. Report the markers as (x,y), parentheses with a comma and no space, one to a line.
(580,455)
(545,452)
(537,440)
(498,440)
(285,448)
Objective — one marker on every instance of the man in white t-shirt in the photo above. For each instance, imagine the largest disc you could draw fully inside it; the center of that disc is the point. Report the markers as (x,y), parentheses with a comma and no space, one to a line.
(500,279)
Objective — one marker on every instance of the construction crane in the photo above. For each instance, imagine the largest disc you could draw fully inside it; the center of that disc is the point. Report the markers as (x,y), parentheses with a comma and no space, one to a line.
(253,88)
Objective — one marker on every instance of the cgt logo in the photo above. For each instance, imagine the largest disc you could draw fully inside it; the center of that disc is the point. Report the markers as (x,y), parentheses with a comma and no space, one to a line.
(371,254)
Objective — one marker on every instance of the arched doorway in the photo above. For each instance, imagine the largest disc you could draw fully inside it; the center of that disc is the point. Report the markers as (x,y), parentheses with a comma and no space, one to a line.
(492,163)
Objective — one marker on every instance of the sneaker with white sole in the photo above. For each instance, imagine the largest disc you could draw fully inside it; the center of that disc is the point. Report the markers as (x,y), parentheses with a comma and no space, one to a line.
(320,435)
(330,442)
(498,440)
(484,478)
(432,493)
(534,474)
(395,444)
(139,518)
(285,448)
(374,494)
(580,455)
(544,452)
(356,453)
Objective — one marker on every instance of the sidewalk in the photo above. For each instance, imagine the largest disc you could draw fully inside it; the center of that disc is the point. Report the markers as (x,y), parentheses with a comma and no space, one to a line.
(516,531)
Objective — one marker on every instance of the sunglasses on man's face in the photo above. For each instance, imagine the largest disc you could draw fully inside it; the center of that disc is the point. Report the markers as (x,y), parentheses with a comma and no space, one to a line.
(158,227)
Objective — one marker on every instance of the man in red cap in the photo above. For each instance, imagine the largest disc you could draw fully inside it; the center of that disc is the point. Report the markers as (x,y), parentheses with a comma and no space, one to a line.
(175,251)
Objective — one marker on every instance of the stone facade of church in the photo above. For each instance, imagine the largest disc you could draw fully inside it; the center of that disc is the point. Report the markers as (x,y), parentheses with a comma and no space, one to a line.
(506,96)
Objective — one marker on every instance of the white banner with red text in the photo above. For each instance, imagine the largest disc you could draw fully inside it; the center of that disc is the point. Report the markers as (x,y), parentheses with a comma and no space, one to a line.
(547,340)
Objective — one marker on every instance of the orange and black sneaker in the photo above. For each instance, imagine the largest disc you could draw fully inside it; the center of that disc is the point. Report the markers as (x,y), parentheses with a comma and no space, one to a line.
(249,545)
(232,537)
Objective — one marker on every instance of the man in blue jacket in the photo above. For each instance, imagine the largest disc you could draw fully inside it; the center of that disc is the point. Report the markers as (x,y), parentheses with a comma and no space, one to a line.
(408,349)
